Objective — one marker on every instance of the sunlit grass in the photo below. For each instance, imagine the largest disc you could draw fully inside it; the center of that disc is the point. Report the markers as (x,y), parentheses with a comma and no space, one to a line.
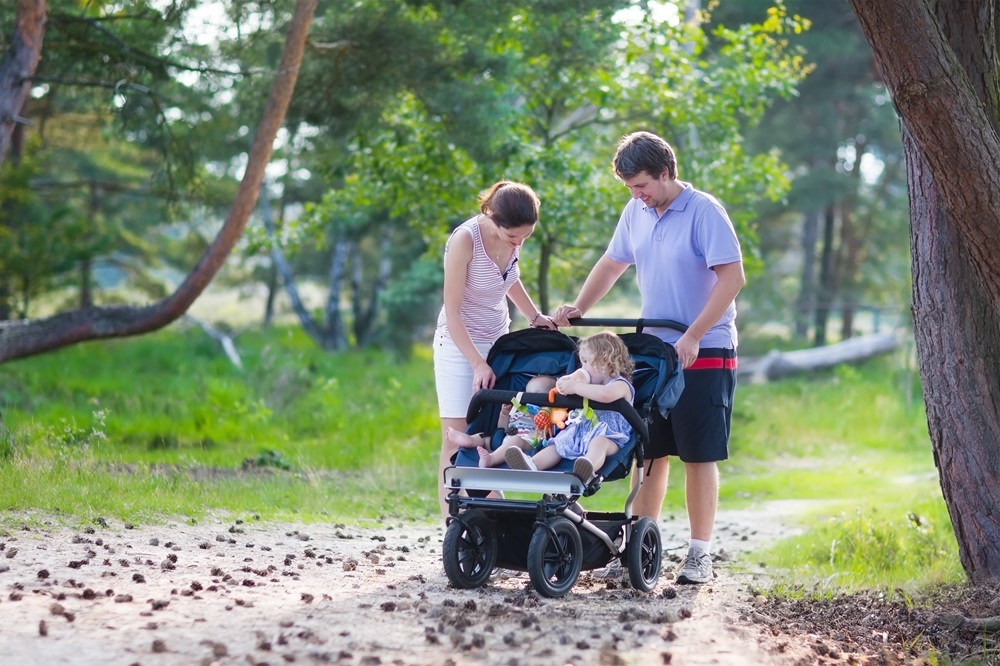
(907,545)
(165,425)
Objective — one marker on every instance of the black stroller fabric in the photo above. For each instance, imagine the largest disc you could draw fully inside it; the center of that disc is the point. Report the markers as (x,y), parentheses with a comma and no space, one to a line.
(521,355)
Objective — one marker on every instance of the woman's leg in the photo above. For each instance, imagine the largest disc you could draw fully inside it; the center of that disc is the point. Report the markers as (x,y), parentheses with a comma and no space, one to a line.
(448,449)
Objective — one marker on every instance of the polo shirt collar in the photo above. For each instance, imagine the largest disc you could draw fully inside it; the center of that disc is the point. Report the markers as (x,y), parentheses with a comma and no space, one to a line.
(679,203)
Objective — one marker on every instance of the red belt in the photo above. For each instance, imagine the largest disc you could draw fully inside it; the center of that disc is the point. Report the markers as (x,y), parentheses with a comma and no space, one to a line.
(713,364)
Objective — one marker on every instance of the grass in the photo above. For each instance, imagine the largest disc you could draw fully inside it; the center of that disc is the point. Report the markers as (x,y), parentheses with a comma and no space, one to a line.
(164,425)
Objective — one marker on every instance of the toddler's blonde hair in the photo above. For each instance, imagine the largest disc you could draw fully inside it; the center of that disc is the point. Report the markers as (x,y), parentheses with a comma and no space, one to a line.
(609,354)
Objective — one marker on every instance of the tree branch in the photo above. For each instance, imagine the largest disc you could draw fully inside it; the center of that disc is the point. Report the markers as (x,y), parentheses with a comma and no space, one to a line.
(23,338)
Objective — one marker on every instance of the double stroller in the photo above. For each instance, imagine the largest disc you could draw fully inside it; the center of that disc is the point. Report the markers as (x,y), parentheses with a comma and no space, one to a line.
(548,534)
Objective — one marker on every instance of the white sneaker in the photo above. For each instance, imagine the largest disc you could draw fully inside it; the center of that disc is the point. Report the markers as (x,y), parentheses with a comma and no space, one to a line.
(614,571)
(696,569)
(583,469)
(515,459)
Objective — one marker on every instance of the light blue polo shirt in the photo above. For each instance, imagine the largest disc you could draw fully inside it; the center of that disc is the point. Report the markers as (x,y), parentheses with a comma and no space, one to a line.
(673,255)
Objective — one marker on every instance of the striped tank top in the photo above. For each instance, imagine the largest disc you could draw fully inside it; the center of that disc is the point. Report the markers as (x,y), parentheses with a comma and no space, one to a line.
(484,300)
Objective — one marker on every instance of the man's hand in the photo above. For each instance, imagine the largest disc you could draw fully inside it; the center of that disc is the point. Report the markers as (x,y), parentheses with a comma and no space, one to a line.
(687,350)
(566,312)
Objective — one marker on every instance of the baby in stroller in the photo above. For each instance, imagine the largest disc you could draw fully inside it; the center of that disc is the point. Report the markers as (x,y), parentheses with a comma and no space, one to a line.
(589,437)
(542,528)
(516,421)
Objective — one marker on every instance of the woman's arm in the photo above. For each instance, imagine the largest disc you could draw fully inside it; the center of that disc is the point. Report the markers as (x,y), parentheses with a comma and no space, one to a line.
(520,298)
(456,269)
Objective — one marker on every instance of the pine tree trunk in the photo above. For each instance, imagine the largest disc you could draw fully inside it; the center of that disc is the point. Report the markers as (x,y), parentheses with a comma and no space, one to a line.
(806,303)
(18,65)
(19,339)
(945,92)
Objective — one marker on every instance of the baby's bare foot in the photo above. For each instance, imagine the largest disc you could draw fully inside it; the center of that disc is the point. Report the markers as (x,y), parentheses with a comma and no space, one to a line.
(484,457)
(459,438)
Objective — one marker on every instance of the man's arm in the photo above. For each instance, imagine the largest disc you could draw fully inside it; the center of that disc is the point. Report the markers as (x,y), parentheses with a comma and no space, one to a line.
(731,280)
(602,277)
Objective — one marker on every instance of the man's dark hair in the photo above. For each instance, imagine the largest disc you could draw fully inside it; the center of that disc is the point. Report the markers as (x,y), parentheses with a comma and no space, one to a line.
(643,151)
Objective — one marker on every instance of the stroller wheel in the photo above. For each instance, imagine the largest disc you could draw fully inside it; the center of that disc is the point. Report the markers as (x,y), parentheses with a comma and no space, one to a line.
(469,550)
(645,555)
(555,556)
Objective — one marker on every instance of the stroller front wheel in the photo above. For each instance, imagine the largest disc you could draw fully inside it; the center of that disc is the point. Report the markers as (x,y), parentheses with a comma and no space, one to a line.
(644,555)
(555,557)
(469,550)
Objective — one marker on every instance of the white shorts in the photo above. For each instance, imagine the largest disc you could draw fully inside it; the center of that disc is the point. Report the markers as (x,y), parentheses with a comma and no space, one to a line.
(453,376)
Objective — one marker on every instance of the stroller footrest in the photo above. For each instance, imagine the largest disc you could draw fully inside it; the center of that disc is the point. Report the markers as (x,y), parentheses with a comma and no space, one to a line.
(512,480)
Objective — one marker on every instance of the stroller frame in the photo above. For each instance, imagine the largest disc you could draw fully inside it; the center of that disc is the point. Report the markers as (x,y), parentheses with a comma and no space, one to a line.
(487,530)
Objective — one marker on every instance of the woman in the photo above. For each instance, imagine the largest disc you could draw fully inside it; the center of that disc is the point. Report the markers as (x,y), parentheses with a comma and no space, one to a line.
(480,273)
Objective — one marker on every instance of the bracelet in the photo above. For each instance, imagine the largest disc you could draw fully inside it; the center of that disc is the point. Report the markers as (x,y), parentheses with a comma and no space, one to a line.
(535,318)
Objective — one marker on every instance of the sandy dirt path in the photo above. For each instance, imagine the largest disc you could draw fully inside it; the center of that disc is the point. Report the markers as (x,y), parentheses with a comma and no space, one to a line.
(245,592)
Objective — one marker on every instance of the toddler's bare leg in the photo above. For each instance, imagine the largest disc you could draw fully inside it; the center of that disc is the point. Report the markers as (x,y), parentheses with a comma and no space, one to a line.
(459,438)
(518,441)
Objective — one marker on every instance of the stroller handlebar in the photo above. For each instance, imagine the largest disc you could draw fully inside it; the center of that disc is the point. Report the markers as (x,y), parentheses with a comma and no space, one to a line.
(639,324)
(622,406)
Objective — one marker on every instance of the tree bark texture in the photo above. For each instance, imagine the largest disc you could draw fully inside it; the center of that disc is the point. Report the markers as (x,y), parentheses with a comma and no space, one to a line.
(18,66)
(23,338)
(940,62)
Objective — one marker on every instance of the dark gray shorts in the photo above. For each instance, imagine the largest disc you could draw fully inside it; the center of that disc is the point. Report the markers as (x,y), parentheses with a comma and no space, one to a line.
(697,429)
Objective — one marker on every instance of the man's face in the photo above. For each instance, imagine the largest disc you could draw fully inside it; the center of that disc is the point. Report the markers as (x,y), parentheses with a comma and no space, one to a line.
(652,191)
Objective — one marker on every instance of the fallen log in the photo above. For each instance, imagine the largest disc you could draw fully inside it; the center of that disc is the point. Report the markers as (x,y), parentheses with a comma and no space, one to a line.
(985,624)
(777,364)
(225,340)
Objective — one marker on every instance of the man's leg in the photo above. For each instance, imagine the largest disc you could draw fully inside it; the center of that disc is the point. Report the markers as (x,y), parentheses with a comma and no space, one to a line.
(649,499)
(701,490)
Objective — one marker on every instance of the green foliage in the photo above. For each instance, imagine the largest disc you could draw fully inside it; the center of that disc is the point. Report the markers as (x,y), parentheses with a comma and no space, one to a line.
(164,425)
(550,88)
(871,548)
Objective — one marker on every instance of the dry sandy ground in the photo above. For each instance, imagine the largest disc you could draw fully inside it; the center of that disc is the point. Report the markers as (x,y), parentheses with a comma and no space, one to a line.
(253,593)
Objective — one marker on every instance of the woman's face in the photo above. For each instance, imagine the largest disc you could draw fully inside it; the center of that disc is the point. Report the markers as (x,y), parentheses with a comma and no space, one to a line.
(515,236)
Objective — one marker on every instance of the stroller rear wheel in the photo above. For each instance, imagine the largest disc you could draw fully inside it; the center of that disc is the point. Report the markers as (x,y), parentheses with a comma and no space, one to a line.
(645,555)
(469,550)
(555,556)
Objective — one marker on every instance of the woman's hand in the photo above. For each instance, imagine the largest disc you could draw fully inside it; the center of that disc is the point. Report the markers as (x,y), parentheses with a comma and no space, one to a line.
(483,377)
(545,321)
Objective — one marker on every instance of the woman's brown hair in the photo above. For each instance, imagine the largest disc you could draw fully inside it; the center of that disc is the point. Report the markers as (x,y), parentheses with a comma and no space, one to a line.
(510,204)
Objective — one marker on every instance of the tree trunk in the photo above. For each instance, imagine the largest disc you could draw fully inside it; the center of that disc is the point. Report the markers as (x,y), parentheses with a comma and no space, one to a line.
(827,278)
(850,248)
(366,315)
(281,266)
(25,338)
(807,286)
(18,66)
(938,61)
(336,337)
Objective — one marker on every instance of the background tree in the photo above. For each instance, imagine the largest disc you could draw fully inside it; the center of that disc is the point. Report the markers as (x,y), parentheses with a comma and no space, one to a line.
(20,59)
(26,337)
(836,242)
(938,60)
(545,103)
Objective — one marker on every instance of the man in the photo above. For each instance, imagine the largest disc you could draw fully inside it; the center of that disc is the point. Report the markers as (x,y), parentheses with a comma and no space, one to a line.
(690,268)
